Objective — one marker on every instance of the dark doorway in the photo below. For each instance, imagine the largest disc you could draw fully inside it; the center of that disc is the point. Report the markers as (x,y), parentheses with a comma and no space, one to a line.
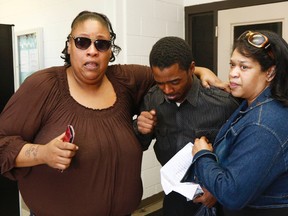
(201,28)
(203,39)
(6,64)
(9,197)
(274,26)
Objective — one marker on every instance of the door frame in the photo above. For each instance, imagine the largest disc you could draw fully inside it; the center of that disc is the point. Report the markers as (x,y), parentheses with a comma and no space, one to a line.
(213,8)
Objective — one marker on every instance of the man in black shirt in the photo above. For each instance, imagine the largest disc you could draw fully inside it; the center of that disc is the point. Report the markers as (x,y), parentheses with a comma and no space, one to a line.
(177,110)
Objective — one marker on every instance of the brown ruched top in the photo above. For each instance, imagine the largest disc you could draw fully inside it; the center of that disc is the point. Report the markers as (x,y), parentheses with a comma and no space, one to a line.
(104,177)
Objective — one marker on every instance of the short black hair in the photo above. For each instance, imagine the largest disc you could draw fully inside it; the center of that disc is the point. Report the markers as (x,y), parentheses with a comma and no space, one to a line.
(170,50)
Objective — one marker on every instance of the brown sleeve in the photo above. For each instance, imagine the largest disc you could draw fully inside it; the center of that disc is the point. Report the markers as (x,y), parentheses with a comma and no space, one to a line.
(21,118)
(136,79)
(144,81)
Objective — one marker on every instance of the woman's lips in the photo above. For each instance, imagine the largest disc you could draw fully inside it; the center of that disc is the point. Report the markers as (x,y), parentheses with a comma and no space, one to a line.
(91,65)
(233,85)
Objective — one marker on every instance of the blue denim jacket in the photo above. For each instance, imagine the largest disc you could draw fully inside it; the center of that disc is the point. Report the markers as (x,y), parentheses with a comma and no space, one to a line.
(250,164)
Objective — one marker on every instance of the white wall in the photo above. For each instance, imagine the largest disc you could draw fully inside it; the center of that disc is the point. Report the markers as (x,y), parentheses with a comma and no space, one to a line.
(137,23)
(54,16)
(147,21)
(196,2)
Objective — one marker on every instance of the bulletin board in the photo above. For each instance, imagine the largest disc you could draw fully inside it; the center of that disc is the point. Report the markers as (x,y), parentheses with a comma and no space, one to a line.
(29,52)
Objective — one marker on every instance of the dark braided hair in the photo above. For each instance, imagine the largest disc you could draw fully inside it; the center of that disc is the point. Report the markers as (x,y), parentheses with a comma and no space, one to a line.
(86,15)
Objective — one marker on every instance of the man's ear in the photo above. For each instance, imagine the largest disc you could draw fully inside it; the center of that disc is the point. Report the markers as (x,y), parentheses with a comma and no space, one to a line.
(192,68)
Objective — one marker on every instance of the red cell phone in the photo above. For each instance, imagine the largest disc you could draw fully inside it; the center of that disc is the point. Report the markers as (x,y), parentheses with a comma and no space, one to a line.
(69,134)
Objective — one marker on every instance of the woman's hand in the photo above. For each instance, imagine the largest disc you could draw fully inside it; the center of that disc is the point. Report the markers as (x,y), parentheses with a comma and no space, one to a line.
(206,199)
(201,144)
(56,154)
(208,78)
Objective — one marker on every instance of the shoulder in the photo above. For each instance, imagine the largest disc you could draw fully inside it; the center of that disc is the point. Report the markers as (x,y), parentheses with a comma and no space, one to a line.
(270,115)
(274,111)
(218,96)
(129,71)
(46,75)
(268,121)
(44,80)
(215,92)
(38,87)
(154,92)
(154,96)
(137,79)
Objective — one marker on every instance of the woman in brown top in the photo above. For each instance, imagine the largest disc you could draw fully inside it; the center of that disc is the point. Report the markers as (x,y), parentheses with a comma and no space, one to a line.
(99,175)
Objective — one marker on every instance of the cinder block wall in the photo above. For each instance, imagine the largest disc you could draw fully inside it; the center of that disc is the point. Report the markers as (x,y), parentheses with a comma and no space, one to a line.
(137,23)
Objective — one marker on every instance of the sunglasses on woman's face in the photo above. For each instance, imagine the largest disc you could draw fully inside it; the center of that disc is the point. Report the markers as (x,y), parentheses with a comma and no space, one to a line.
(84,43)
(256,39)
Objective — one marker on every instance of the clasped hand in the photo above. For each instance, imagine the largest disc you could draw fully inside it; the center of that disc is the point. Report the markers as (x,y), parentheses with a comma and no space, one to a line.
(146,121)
(201,144)
(58,154)
(206,199)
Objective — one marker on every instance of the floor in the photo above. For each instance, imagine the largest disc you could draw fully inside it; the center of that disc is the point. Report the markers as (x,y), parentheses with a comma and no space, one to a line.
(151,210)
(25,212)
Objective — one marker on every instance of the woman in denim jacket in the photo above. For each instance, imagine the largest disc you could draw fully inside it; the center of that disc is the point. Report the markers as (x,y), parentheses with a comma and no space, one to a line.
(248,171)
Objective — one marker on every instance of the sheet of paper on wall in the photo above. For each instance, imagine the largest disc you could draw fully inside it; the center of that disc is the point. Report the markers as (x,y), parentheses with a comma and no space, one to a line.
(174,170)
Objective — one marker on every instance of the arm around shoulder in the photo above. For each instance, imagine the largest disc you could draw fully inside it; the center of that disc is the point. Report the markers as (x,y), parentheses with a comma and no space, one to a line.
(208,78)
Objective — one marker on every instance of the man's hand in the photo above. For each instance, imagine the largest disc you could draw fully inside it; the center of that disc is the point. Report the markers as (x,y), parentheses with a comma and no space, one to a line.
(146,121)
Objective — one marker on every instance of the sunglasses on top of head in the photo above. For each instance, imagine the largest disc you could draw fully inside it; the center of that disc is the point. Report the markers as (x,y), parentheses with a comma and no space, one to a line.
(256,39)
(84,43)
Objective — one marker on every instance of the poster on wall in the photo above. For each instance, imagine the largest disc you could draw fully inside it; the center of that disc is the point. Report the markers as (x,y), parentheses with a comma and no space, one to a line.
(30,52)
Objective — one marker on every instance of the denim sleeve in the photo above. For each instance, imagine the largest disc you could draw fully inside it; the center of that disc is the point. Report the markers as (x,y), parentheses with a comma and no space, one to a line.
(253,162)
(190,175)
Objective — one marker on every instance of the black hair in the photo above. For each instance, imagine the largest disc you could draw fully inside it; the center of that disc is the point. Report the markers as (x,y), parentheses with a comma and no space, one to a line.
(83,16)
(274,55)
(170,50)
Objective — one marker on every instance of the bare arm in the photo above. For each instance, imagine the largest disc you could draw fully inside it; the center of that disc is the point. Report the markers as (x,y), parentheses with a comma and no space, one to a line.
(208,78)
(56,154)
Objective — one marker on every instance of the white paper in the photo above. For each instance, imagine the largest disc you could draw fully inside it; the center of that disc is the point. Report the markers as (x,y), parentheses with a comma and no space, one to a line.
(174,170)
